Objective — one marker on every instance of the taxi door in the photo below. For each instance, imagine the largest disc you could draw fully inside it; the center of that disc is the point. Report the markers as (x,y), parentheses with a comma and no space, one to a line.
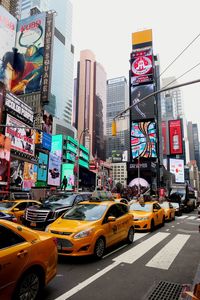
(14,254)
(111,229)
(123,220)
(156,212)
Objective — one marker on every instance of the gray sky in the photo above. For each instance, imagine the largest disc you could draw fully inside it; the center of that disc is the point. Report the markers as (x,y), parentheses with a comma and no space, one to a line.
(106,26)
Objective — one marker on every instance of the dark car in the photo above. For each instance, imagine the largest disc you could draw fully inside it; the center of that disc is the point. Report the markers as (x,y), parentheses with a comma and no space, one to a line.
(8,217)
(39,216)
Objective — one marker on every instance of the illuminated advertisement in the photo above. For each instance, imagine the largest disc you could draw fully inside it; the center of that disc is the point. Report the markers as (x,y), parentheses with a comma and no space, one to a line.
(5,144)
(164,137)
(42,167)
(57,145)
(143,140)
(47,125)
(175,137)
(46,141)
(142,109)
(29,176)
(22,139)
(2,94)
(176,167)
(54,170)
(16,173)
(7,33)
(141,66)
(30,46)
(68,171)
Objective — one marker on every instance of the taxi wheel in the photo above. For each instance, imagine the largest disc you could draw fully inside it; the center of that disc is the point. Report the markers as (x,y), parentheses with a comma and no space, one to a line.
(29,286)
(152,226)
(130,237)
(99,248)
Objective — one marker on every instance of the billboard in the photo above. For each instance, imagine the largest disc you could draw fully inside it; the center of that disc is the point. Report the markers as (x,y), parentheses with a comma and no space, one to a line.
(54,170)
(141,66)
(5,144)
(144,109)
(2,95)
(29,176)
(119,156)
(164,137)
(143,140)
(68,171)
(47,122)
(175,137)
(7,33)
(57,145)
(42,167)
(30,46)
(176,167)
(22,139)
(16,173)
(46,141)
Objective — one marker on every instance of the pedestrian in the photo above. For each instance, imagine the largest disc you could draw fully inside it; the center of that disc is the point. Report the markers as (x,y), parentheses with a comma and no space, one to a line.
(64,183)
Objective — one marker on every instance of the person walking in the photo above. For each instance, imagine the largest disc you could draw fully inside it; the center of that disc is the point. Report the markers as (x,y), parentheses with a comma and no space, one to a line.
(64,183)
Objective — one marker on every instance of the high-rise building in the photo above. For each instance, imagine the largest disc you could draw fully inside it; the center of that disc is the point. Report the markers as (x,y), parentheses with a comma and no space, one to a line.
(11,5)
(89,105)
(193,137)
(117,101)
(26,5)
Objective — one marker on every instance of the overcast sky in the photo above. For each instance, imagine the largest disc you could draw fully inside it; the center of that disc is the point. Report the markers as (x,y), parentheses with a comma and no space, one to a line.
(106,26)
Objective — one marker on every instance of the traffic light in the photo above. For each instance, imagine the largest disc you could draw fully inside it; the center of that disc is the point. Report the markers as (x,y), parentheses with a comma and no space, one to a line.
(38,137)
(114,128)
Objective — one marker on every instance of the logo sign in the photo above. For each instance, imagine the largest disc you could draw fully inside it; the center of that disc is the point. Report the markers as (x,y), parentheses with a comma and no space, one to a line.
(175,137)
(177,168)
(19,108)
(22,139)
(5,145)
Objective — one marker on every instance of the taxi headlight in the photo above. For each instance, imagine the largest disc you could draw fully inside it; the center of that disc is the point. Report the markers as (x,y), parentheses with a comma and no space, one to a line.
(143,218)
(83,234)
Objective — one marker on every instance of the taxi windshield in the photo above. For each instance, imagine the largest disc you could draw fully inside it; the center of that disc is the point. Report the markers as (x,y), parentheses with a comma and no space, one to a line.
(141,207)
(6,205)
(85,212)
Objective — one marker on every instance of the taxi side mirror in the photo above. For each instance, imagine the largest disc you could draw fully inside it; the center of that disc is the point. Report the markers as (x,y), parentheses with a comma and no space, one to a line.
(111,219)
(15,209)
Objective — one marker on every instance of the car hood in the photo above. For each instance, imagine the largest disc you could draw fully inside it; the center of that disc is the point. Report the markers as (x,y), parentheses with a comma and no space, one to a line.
(140,214)
(72,226)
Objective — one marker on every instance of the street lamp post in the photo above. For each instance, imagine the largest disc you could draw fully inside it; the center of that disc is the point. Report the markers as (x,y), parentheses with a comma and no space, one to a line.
(78,156)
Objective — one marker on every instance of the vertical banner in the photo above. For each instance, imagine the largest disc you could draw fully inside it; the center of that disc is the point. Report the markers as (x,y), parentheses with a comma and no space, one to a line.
(48,53)
(68,171)
(175,137)
(5,145)
(164,137)
(176,167)
(30,176)
(54,170)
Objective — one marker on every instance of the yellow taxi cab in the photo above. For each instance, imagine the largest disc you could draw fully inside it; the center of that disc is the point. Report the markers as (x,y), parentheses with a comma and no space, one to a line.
(16,207)
(92,226)
(28,261)
(169,210)
(147,215)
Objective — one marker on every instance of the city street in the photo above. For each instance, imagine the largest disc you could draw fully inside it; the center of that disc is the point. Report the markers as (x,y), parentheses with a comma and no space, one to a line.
(169,254)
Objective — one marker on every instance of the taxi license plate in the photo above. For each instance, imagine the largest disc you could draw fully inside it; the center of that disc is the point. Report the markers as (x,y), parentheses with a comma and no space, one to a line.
(33,224)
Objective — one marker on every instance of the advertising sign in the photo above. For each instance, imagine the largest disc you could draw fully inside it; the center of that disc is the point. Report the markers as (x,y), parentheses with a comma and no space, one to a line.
(22,139)
(164,137)
(141,66)
(7,33)
(30,45)
(143,140)
(5,144)
(142,109)
(19,108)
(175,137)
(16,173)
(119,156)
(57,145)
(47,122)
(46,141)
(54,170)
(30,176)
(68,171)
(176,167)
(42,168)
(2,95)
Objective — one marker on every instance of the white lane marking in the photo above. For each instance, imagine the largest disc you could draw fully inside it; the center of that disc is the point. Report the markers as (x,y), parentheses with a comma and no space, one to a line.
(191,218)
(138,251)
(164,258)
(137,236)
(182,217)
(86,282)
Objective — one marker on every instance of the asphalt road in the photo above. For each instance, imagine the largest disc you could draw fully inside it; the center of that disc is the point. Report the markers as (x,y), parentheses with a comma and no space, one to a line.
(168,256)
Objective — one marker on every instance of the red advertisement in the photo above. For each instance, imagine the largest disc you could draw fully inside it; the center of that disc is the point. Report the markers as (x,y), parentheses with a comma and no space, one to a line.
(164,137)
(175,137)
(5,144)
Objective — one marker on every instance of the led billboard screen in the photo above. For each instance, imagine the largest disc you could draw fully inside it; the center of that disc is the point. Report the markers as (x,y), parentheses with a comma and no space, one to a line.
(5,144)
(68,171)
(143,140)
(42,167)
(57,145)
(30,45)
(16,173)
(175,137)
(46,141)
(176,167)
(29,176)
(142,109)
(54,170)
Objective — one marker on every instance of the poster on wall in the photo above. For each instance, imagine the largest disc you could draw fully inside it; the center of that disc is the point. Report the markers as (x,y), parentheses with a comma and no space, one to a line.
(5,144)
(142,109)
(175,137)
(16,173)
(30,50)
(7,51)
(54,170)
(176,167)
(68,171)
(29,176)
(143,140)
(22,139)
(42,168)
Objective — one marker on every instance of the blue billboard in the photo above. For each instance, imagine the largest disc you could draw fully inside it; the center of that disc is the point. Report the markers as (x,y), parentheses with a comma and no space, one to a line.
(42,168)
(46,141)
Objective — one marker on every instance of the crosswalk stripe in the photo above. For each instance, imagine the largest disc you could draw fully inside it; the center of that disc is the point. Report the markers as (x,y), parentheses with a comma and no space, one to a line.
(191,218)
(139,235)
(182,217)
(164,258)
(138,251)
